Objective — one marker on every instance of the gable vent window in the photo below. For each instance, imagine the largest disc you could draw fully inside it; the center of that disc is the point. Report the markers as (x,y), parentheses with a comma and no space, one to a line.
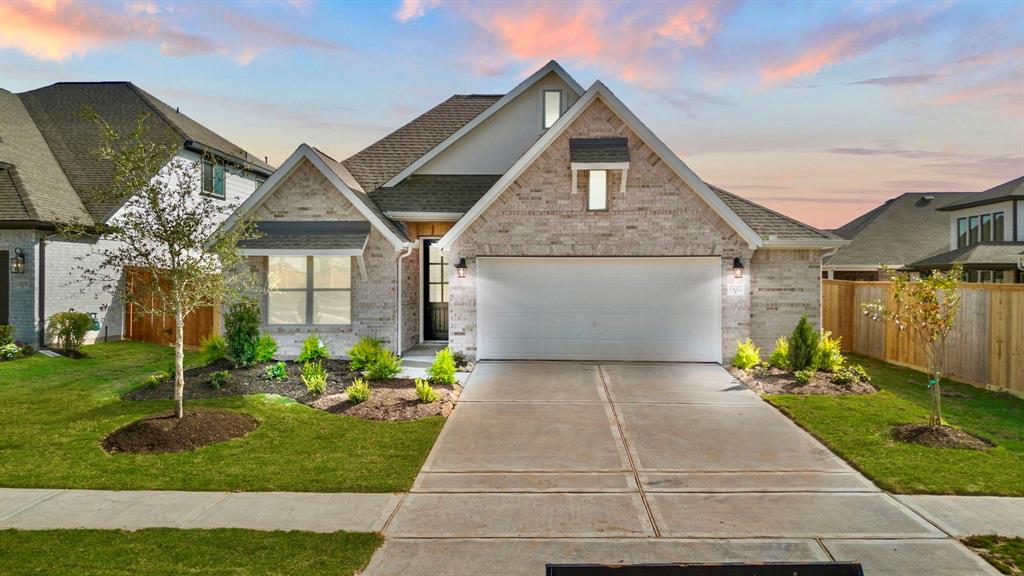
(597,190)
(552,107)
(213,179)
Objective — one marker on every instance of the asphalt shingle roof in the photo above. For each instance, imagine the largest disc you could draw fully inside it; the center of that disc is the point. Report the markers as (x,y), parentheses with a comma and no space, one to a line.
(769,224)
(45,193)
(1005,191)
(380,161)
(12,206)
(56,111)
(314,235)
(996,254)
(901,231)
(435,192)
(342,172)
(598,150)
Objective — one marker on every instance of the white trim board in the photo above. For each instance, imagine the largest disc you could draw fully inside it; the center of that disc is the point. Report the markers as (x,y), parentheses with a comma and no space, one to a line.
(550,67)
(599,90)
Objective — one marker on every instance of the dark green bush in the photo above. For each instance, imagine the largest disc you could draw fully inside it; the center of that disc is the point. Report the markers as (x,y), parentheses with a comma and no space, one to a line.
(6,334)
(242,332)
(266,347)
(803,347)
(219,378)
(69,328)
(277,371)
(804,376)
(214,348)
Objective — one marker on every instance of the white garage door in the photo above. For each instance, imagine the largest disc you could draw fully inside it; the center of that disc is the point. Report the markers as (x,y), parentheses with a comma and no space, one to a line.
(599,308)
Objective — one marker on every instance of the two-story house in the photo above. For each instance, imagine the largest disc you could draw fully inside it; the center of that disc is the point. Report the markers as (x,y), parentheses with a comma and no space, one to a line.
(48,175)
(986,235)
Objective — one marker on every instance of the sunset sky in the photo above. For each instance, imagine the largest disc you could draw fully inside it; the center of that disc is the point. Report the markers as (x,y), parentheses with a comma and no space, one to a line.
(820,110)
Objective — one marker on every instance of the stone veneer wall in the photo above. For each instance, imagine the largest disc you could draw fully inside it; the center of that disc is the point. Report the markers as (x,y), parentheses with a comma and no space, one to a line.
(658,215)
(784,285)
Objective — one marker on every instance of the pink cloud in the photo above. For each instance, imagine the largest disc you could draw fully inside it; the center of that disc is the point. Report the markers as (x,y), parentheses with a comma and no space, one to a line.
(413,9)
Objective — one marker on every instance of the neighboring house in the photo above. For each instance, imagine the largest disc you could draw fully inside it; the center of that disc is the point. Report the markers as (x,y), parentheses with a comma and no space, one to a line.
(901,231)
(48,172)
(985,234)
(548,222)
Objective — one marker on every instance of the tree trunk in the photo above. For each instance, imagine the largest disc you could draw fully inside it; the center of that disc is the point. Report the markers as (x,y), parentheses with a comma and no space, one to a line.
(179,363)
(935,419)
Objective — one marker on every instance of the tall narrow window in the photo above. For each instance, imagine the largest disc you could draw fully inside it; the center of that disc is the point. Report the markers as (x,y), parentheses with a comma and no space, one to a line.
(961,232)
(986,227)
(552,107)
(287,277)
(332,301)
(998,227)
(597,190)
(975,230)
(213,179)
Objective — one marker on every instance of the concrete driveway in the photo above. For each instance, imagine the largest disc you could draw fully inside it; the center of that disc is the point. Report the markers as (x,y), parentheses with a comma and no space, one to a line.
(581,462)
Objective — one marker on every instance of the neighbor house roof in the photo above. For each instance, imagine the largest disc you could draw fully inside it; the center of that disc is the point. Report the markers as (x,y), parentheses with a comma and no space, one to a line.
(378,162)
(990,254)
(903,230)
(434,193)
(35,187)
(1014,189)
(312,235)
(598,150)
(57,112)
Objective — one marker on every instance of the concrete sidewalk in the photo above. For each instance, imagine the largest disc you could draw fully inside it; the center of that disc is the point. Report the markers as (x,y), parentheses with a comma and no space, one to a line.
(32,509)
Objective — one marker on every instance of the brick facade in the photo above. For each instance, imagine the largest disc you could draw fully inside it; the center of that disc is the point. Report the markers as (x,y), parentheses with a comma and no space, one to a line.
(23,289)
(784,285)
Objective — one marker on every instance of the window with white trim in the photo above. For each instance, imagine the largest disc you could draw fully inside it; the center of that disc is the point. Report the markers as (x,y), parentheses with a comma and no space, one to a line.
(552,107)
(309,290)
(597,190)
(213,179)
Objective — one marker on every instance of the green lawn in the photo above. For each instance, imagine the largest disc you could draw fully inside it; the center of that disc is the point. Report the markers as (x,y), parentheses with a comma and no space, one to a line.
(1006,554)
(857,428)
(55,411)
(172,552)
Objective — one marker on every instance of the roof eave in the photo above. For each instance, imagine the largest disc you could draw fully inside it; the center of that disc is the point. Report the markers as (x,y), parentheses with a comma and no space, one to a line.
(806,243)
(249,165)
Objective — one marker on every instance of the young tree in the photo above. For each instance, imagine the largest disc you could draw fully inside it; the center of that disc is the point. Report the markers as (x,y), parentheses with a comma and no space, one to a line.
(166,239)
(927,308)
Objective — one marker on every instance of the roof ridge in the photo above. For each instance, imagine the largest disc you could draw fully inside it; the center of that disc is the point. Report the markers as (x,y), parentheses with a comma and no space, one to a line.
(774,212)
(145,96)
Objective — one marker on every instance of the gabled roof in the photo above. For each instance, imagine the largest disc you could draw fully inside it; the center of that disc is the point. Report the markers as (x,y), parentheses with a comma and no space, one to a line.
(901,231)
(56,110)
(378,162)
(775,228)
(339,177)
(989,254)
(599,91)
(1014,189)
(551,67)
(434,193)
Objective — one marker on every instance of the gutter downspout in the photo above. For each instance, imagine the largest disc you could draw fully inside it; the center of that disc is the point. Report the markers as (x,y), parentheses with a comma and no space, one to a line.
(398,331)
(831,271)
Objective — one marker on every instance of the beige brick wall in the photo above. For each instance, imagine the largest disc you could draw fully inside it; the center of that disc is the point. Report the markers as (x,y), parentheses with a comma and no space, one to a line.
(784,285)
(657,215)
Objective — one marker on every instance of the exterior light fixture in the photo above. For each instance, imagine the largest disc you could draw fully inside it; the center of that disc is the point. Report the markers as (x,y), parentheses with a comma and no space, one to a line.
(737,267)
(461,268)
(18,262)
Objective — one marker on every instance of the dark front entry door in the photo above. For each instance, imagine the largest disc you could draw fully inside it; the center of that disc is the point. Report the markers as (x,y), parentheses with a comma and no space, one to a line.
(5,289)
(435,293)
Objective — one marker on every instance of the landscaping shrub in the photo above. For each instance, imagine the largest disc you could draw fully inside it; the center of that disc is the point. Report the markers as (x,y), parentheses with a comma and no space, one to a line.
(242,330)
(363,353)
(313,348)
(154,380)
(69,329)
(442,371)
(314,376)
(10,351)
(803,346)
(359,391)
(219,378)
(830,353)
(276,372)
(804,376)
(747,355)
(385,365)
(266,347)
(779,357)
(214,348)
(6,334)
(425,392)
(851,374)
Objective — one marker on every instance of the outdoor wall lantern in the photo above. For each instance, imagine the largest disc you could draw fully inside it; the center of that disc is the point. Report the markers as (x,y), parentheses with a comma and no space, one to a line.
(18,262)
(461,268)
(737,267)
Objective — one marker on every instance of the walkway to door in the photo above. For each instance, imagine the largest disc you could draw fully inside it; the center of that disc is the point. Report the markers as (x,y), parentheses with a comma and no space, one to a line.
(577,462)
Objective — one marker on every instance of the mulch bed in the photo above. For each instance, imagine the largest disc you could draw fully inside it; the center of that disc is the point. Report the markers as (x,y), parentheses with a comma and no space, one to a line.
(939,437)
(392,400)
(165,433)
(781,382)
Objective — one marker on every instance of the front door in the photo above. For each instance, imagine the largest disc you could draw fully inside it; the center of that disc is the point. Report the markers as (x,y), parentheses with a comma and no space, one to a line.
(5,290)
(435,292)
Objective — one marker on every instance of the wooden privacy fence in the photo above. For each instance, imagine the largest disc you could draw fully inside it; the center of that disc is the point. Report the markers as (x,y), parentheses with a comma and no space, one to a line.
(986,348)
(199,325)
